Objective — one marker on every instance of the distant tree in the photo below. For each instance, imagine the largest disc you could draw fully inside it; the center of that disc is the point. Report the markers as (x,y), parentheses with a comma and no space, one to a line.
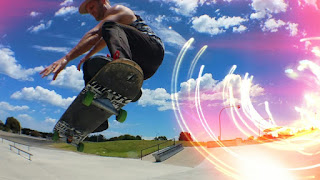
(26,131)
(160,138)
(96,138)
(185,136)
(13,124)
(1,125)
(125,137)
(250,138)
(35,133)
(138,137)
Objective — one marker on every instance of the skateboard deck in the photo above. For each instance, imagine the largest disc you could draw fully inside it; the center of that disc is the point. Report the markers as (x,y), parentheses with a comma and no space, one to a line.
(114,86)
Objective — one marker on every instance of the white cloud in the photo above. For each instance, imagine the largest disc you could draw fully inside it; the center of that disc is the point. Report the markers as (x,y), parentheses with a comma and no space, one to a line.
(70,78)
(273,25)
(158,97)
(34,14)
(110,134)
(64,50)
(206,24)
(293,28)
(83,23)
(50,120)
(66,11)
(28,121)
(42,26)
(240,29)
(263,8)
(162,18)
(10,67)
(24,117)
(8,107)
(185,7)
(211,90)
(311,2)
(206,83)
(168,36)
(40,94)
(66,3)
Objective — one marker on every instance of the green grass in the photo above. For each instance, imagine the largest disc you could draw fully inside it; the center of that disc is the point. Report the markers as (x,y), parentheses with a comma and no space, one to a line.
(124,149)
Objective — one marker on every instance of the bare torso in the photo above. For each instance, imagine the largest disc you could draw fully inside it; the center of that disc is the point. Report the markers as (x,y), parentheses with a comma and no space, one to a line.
(120,14)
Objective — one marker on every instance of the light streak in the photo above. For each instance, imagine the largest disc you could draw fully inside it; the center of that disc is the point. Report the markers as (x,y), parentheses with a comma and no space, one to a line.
(250,122)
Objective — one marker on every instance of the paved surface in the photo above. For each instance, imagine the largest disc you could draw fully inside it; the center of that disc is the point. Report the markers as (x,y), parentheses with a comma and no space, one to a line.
(245,162)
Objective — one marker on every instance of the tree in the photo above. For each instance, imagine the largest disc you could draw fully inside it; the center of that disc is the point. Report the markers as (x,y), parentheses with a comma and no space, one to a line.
(185,136)
(138,137)
(26,131)
(125,137)
(251,138)
(35,133)
(13,124)
(96,138)
(1,125)
(160,138)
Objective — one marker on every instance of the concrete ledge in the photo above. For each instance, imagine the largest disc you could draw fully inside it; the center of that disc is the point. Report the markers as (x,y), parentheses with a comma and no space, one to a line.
(167,152)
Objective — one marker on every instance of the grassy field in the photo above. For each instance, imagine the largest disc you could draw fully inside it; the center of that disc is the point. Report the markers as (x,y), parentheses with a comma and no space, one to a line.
(125,149)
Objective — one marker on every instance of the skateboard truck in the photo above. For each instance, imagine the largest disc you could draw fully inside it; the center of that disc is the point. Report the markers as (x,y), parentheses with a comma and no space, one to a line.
(106,105)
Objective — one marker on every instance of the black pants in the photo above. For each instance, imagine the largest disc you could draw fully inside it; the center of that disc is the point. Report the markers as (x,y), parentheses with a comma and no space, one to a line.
(132,44)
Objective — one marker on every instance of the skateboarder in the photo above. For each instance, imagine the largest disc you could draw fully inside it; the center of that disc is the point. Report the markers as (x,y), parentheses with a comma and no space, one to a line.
(122,31)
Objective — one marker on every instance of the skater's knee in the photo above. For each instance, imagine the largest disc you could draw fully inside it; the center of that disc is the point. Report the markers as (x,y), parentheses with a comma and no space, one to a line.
(96,61)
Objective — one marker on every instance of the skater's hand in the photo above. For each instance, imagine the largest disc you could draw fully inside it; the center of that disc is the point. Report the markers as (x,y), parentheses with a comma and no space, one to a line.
(55,68)
(82,61)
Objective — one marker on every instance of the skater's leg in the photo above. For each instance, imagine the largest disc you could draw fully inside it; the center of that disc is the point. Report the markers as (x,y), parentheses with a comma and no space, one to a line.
(92,66)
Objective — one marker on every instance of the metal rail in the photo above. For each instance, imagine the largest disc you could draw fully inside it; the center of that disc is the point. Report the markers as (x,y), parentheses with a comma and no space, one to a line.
(20,150)
(174,143)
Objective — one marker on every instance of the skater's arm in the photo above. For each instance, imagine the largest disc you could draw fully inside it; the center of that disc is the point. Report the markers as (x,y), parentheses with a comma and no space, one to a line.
(84,45)
(119,14)
(98,47)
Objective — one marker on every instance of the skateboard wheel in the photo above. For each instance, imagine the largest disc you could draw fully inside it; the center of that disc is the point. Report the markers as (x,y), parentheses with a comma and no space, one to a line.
(55,136)
(122,116)
(80,147)
(88,98)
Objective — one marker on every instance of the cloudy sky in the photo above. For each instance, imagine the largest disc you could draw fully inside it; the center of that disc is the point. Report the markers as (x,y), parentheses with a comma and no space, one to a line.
(274,42)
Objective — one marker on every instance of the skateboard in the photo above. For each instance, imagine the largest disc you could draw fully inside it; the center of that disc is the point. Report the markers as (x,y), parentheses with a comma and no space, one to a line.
(115,85)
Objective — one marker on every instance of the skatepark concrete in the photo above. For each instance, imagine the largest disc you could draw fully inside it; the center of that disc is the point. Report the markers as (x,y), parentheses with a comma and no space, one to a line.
(53,164)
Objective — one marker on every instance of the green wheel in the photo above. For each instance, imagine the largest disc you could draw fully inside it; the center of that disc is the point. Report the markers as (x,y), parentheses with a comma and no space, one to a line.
(87,100)
(80,147)
(55,136)
(122,116)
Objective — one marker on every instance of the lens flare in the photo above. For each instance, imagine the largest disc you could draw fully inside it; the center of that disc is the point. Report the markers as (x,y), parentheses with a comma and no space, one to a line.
(302,137)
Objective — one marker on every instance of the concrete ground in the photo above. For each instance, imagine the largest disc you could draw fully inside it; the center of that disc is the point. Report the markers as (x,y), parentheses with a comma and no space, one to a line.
(245,162)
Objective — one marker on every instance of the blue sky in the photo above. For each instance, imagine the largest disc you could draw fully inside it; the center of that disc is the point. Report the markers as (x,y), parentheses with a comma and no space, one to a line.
(265,38)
